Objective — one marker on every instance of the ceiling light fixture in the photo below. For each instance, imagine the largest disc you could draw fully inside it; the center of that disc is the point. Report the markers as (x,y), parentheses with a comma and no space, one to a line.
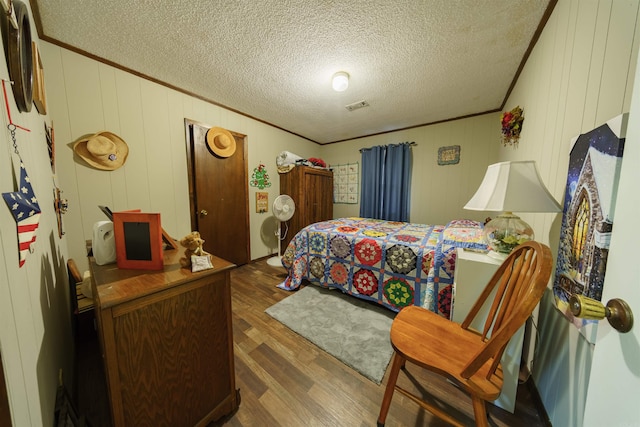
(340,81)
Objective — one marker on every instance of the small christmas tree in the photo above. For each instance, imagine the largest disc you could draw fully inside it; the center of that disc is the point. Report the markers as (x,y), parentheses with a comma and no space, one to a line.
(260,177)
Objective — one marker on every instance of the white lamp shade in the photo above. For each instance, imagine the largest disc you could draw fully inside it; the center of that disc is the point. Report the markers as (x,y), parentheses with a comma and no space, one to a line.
(513,187)
(340,81)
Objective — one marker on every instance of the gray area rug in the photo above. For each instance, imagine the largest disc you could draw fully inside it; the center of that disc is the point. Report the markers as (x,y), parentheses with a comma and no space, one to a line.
(354,331)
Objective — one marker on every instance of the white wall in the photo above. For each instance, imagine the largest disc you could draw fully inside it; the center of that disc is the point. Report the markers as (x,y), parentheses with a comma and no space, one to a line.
(87,96)
(580,74)
(438,192)
(35,334)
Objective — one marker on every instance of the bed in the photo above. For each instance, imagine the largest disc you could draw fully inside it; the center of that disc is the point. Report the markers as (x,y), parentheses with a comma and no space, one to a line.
(395,264)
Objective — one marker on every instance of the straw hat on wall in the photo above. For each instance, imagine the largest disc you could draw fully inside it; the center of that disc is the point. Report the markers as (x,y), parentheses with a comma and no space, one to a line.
(221,142)
(103,150)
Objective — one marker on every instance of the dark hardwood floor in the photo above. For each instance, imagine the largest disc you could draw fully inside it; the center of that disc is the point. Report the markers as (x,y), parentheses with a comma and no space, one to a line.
(285,380)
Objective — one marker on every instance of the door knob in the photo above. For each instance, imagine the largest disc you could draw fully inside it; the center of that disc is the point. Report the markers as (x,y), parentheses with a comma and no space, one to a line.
(204,213)
(617,311)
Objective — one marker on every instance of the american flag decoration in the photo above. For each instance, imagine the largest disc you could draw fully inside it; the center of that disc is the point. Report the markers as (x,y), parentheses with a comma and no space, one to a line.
(24,206)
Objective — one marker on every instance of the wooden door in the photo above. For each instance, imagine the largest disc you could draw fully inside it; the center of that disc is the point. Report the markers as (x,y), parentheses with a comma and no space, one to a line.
(218,193)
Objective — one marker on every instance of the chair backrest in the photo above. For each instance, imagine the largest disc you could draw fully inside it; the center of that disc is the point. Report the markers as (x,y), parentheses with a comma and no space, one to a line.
(519,283)
(74,279)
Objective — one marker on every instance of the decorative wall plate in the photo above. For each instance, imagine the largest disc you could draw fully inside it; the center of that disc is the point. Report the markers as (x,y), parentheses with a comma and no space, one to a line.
(8,10)
(19,55)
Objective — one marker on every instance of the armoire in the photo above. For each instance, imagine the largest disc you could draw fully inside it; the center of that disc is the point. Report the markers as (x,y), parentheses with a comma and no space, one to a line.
(312,192)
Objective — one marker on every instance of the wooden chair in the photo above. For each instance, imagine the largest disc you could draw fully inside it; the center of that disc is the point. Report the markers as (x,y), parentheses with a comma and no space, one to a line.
(81,306)
(75,278)
(468,358)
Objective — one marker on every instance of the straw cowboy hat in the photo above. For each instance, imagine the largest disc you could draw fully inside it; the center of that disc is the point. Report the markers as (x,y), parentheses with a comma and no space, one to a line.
(103,150)
(221,142)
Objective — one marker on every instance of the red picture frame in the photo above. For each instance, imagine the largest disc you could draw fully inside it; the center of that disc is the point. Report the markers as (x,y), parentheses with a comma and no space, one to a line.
(138,237)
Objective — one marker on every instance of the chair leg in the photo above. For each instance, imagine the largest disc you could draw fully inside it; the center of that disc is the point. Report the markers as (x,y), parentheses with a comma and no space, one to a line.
(398,362)
(479,412)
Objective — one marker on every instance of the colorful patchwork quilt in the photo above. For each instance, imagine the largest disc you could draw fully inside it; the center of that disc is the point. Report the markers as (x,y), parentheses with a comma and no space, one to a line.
(395,264)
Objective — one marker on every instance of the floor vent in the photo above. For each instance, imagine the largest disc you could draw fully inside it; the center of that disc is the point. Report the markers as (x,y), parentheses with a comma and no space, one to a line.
(357,105)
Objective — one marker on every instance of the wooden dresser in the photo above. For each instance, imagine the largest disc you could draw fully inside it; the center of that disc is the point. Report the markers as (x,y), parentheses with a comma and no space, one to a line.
(167,342)
(312,191)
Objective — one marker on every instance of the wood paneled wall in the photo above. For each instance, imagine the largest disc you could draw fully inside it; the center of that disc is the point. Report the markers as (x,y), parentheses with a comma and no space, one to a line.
(438,193)
(579,75)
(35,331)
(86,96)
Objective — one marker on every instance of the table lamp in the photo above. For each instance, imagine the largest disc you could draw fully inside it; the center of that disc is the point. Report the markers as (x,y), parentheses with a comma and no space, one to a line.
(508,187)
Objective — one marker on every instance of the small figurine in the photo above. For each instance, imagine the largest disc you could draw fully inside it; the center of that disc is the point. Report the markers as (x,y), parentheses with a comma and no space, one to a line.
(193,247)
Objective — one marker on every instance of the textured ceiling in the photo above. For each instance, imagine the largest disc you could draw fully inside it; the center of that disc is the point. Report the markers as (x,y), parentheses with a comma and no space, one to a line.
(415,62)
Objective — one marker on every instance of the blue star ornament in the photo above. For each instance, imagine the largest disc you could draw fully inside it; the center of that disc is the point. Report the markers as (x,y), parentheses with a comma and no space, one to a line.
(25,209)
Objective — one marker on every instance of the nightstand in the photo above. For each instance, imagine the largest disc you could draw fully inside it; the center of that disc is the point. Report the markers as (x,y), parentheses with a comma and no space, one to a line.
(473,271)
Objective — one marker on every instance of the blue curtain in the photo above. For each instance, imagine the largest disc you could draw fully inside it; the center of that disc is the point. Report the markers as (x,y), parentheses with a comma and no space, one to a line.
(386,182)
(372,167)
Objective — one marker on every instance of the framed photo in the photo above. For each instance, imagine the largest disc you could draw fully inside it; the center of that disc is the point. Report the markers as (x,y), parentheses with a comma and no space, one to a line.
(168,242)
(39,95)
(138,238)
(449,155)
(262,202)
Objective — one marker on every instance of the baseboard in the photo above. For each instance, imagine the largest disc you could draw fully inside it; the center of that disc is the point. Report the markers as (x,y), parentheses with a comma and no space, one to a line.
(263,258)
(537,402)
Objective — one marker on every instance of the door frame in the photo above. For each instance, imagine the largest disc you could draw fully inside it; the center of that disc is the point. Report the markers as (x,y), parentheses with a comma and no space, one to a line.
(193,203)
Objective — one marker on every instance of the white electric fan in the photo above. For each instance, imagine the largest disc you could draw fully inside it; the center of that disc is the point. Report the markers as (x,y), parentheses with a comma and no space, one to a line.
(283,209)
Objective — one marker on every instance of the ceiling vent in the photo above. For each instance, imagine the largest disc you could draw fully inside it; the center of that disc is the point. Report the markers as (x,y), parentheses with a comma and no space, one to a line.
(357,105)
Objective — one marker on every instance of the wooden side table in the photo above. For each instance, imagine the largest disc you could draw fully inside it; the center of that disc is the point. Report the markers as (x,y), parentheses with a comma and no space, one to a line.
(472,273)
